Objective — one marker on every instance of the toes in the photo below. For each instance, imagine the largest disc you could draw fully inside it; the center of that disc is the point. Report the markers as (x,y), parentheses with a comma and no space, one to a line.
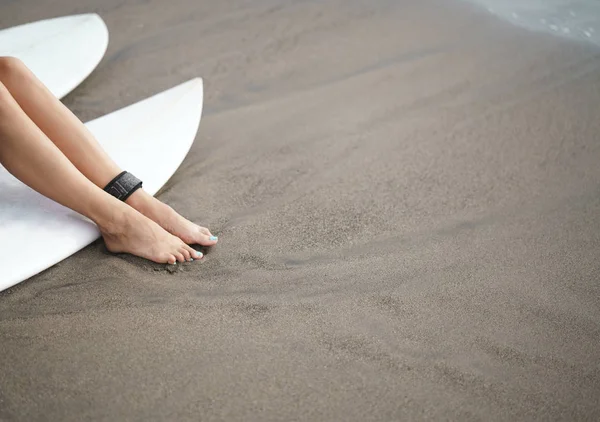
(207,240)
(204,231)
(194,253)
(186,254)
(164,258)
(179,256)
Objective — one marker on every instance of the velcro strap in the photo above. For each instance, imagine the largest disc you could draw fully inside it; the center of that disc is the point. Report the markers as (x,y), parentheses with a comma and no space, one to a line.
(122,186)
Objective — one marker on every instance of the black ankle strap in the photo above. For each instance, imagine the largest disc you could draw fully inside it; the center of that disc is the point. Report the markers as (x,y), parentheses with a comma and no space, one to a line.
(123,186)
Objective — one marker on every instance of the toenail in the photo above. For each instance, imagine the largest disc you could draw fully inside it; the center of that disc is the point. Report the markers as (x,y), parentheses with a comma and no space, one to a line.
(213,238)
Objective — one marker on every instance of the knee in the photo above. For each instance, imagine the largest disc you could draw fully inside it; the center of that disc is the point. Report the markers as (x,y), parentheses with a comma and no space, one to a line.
(10,66)
(5,97)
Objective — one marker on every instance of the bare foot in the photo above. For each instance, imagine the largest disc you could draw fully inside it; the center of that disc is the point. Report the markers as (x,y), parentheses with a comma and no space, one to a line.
(170,220)
(131,232)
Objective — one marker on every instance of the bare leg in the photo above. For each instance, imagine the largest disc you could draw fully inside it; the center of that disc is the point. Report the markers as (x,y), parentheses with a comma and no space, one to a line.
(28,154)
(81,148)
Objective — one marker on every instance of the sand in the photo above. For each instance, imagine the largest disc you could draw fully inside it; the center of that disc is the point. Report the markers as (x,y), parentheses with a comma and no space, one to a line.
(407,197)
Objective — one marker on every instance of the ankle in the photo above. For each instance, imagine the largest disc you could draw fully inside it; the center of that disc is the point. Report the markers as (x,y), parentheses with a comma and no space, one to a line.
(140,200)
(113,219)
(147,205)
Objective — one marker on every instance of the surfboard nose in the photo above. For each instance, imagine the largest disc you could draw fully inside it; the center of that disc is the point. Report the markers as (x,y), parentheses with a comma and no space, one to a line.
(61,51)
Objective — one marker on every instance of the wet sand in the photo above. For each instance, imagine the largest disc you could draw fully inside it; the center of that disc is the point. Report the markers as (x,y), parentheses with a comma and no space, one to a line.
(407,197)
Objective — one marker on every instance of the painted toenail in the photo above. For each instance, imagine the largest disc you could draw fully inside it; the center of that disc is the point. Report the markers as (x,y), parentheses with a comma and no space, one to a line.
(198,254)
(213,238)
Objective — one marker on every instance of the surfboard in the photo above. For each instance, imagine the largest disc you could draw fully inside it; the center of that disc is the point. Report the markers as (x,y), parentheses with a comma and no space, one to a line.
(61,52)
(149,138)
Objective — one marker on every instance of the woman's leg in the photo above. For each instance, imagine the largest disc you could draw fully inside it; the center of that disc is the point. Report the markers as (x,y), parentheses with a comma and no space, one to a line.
(28,154)
(81,148)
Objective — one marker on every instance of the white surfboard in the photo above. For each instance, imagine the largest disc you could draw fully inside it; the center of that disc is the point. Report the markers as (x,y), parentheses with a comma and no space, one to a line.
(150,139)
(61,52)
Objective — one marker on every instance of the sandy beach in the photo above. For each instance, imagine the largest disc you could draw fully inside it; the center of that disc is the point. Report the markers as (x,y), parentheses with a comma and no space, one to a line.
(407,199)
